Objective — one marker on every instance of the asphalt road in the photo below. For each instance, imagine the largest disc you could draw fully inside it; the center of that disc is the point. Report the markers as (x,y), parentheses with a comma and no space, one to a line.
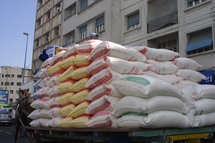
(7,135)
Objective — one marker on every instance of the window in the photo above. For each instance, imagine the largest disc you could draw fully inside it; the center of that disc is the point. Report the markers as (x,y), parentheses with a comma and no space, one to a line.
(83,4)
(48,15)
(19,76)
(7,75)
(11,91)
(69,39)
(12,83)
(40,3)
(56,31)
(38,22)
(37,62)
(11,100)
(37,42)
(200,41)
(133,21)
(83,32)
(57,8)
(191,3)
(18,83)
(46,37)
(12,76)
(160,15)
(2,83)
(6,83)
(100,24)
(2,75)
(17,91)
(70,11)
(169,44)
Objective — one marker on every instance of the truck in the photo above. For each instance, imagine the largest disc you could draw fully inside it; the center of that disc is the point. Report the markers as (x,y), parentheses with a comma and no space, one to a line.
(122,135)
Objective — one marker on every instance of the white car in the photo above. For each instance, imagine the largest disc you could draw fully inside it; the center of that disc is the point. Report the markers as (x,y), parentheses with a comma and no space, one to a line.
(6,117)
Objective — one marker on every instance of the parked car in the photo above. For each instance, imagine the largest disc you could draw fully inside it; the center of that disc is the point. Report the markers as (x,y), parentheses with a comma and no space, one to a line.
(6,117)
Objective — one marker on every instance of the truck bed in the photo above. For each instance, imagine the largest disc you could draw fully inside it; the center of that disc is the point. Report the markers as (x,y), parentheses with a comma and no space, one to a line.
(137,134)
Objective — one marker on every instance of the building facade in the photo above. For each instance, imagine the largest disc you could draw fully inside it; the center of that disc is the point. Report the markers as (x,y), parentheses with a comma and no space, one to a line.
(11,80)
(184,26)
(47,28)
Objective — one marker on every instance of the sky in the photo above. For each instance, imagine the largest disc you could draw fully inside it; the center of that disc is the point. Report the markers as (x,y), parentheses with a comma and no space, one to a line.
(17,17)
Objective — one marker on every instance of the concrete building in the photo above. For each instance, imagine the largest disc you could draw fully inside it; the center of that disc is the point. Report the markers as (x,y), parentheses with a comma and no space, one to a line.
(47,28)
(11,80)
(184,26)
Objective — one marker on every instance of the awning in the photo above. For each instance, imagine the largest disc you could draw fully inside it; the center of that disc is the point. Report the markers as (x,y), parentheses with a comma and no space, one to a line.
(199,40)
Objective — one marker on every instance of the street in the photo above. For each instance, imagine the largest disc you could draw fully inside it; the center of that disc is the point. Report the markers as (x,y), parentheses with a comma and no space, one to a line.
(7,135)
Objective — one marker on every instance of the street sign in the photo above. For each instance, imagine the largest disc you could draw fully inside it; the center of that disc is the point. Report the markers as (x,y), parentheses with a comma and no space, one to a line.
(209,77)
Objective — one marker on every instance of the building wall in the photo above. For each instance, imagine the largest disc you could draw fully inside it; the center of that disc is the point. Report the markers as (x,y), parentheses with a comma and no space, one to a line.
(116,12)
(46,26)
(14,80)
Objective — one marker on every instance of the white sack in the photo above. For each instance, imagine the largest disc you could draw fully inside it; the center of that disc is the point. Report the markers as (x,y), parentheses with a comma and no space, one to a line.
(157,54)
(205,91)
(53,102)
(184,83)
(186,63)
(34,115)
(162,68)
(87,46)
(101,120)
(118,65)
(54,122)
(200,91)
(54,113)
(111,49)
(105,103)
(204,120)
(158,119)
(205,106)
(171,78)
(145,86)
(44,122)
(104,89)
(43,114)
(35,123)
(53,81)
(139,105)
(191,75)
(104,76)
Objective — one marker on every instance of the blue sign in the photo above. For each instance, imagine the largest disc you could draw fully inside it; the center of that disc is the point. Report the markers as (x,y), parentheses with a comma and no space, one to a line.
(51,50)
(4,96)
(209,77)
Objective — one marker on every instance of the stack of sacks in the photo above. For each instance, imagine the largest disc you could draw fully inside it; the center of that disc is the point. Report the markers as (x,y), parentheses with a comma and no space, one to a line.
(150,103)
(52,85)
(45,112)
(113,63)
(188,71)
(110,62)
(75,103)
(161,63)
(204,101)
(168,66)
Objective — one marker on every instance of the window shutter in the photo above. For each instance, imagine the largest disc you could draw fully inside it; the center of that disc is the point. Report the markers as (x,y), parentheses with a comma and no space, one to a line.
(83,28)
(100,21)
(133,19)
(84,4)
